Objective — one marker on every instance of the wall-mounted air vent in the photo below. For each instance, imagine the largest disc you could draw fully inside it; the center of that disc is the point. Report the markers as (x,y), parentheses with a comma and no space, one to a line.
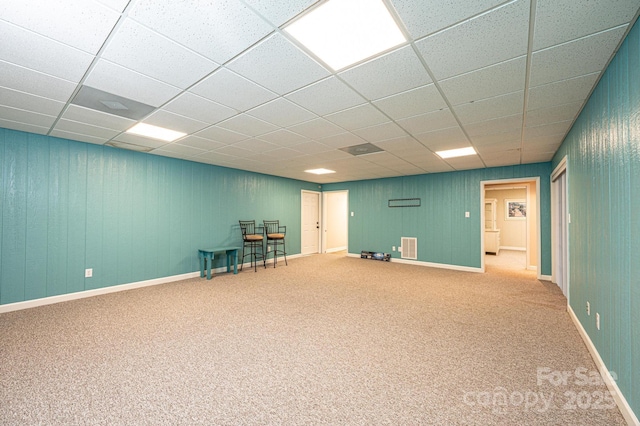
(409,248)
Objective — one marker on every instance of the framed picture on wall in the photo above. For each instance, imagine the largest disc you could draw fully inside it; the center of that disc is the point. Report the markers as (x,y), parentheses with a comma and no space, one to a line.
(515,210)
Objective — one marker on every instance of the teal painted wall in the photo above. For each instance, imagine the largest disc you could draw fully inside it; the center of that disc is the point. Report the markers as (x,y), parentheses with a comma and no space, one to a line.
(444,234)
(66,206)
(603,158)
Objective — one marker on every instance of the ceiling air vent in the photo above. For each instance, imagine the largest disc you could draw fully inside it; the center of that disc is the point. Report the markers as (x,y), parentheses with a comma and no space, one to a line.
(409,248)
(98,100)
(362,149)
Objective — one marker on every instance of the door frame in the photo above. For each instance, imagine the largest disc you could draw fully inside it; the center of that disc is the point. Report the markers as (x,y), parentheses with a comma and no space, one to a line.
(560,217)
(302,211)
(525,180)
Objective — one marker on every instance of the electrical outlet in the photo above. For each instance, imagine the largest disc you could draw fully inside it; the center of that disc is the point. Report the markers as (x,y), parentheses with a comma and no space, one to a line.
(598,321)
(588,308)
(88,273)
(268,248)
(352,214)
(393,248)
(466,214)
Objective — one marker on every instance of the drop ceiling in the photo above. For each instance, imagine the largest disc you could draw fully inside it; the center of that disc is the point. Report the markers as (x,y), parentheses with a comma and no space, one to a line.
(507,78)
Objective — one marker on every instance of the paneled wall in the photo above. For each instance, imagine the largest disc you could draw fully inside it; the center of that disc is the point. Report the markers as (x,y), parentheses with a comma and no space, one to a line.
(66,206)
(603,158)
(444,234)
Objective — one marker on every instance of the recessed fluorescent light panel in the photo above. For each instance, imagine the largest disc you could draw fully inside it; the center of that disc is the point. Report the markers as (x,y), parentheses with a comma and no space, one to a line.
(155,132)
(460,152)
(320,171)
(343,32)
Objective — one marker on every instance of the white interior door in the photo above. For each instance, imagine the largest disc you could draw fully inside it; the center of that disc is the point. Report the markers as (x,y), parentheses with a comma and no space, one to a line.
(310,222)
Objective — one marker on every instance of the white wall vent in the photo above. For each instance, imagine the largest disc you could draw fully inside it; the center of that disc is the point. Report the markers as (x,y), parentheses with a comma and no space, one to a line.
(409,248)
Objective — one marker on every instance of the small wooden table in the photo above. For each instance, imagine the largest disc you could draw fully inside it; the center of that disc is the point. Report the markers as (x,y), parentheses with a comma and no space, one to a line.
(207,255)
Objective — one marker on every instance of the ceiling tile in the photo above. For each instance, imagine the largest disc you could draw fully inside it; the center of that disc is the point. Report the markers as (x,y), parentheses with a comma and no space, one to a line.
(175,122)
(422,18)
(270,64)
(112,78)
(21,100)
(491,149)
(508,137)
(24,127)
(282,113)
(36,83)
(561,92)
(403,144)
(64,20)
(387,75)
(26,117)
(487,109)
(502,159)
(277,11)
(256,145)
(86,129)
(495,80)
(180,149)
(230,89)
(31,50)
(197,107)
(317,128)
(466,163)
(412,102)
(283,137)
(248,125)
(326,96)
(449,138)
(201,143)
(477,43)
(342,140)
(380,132)
(97,118)
(140,49)
(529,158)
(497,125)
(218,30)
(311,147)
(559,128)
(566,112)
(221,135)
(357,117)
(428,122)
(117,5)
(283,153)
(578,57)
(558,21)
(141,141)
(77,137)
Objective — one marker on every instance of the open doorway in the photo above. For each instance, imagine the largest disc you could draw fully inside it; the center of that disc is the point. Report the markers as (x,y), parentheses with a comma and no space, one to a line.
(335,213)
(510,225)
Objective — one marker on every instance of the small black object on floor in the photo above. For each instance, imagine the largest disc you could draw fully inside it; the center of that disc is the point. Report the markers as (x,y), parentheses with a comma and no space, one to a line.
(375,255)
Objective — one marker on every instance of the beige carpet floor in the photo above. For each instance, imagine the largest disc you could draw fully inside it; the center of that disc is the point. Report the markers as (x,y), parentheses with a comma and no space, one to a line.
(326,340)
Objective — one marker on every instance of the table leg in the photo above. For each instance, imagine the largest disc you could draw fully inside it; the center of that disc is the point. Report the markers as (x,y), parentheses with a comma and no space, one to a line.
(228,261)
(235,261)
(201,256)
(210,257)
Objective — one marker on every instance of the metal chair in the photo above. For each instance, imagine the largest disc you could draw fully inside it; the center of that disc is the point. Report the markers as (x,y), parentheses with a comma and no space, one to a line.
(252,238)
(275,237)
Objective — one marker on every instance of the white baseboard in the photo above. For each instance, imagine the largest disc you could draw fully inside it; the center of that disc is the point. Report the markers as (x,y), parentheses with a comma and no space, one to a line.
(95,292)
(513,248)
(544,277)
(9,307)
(335,249)
(429,264)
(617,395)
